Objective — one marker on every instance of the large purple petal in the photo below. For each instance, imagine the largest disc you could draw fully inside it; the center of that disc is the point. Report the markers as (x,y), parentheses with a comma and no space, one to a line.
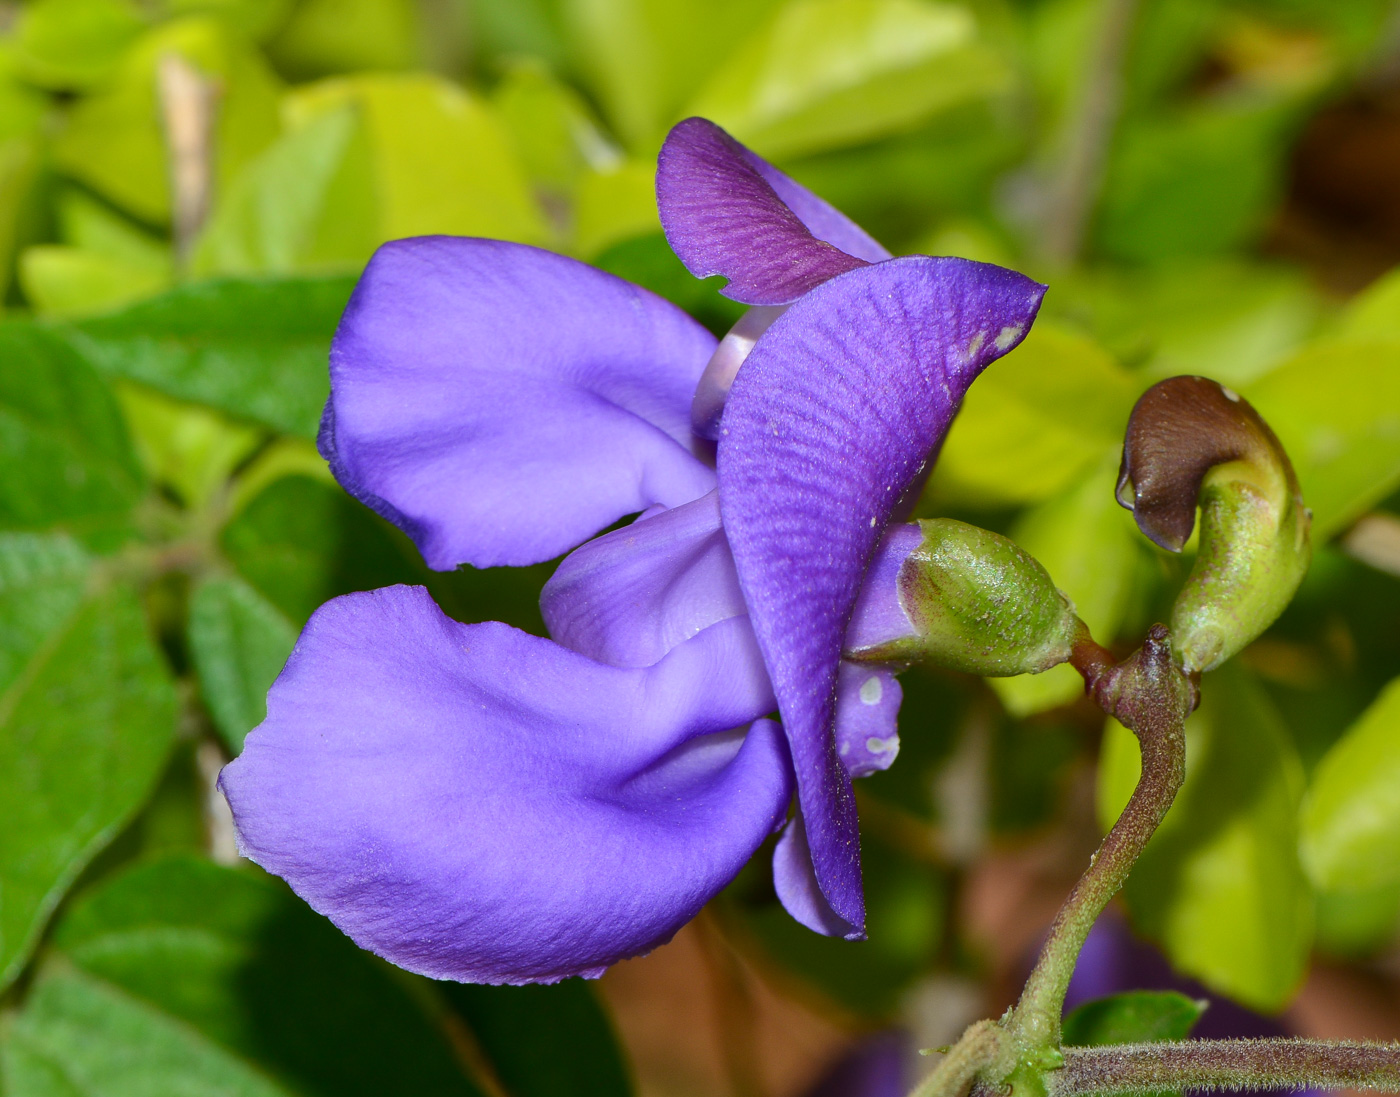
(501,404)
(475,803)
(723,216)
(833,416)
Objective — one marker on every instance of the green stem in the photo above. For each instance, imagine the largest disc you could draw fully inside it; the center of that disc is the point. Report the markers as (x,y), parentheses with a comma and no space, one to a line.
(1135,1070)
(1150,696)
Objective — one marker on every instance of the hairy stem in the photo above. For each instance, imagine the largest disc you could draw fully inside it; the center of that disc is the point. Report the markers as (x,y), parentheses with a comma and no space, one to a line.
(1140,1069)
(1150,696)
(981,1046)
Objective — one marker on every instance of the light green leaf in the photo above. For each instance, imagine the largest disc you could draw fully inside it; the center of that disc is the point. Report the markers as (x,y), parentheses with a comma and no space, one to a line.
(67,44)
(1220,886)
(239,642)
(1351,817)
(87,715)
(551,128)
(823,73)
(1139,1016)
(255,349)
(1094,553)
(19,171)
(305,204)
(254,983)
(441,161)
(1035,421)
(614,205)
(62,281)
(1358,922)
(113,140)
(1374,314)
(1336,408)
(78,1037)
(329,36)
(644,59)
(64,451)
(188,448)
(254,19)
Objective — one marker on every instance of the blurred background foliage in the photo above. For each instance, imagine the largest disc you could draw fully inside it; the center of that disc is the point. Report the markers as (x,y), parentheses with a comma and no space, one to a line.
(188,189)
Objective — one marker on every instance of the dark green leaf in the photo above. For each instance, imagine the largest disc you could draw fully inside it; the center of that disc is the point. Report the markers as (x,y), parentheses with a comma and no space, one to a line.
(303,541)
(552,1041)
(78,1037)
(64,451)
(86,720)
(1138,1016)
(256,348)
(649,261)
(239,643)
(248,972)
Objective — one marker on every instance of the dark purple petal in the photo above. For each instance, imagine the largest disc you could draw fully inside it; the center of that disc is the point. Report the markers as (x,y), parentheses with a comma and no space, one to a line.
(832,418)
(722,216)
(822,219)
(475,803)
(501,404)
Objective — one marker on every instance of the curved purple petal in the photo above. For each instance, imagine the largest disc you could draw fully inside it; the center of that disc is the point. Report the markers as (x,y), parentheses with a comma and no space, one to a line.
(723,216)
(833,416)
(630,596)
(475,803)
(501,404)
(822,219)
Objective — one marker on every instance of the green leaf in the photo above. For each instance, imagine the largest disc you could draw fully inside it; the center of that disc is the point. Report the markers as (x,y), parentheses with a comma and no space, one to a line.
(239,643)
(1351,818)
(1373,314)
(644,59)
(825,73)
(113,140)
(440,160)
(329,36)
(63,448)
(255,349)
(1359,922)
(185,447)
(1197,181)
(303,541)
(67,44)
(305,204)
(78,1037)
(87,716)
(648,261)
(614,205)
(1220,886)
(1138,1016)
(550,126)
(1336,408)
(254,981)
(62,281)
(1035,421)
(544,1041)
(1094,553)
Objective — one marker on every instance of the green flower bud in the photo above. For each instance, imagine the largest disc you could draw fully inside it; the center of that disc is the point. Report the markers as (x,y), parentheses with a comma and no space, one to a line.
(978,603)
(1191,442)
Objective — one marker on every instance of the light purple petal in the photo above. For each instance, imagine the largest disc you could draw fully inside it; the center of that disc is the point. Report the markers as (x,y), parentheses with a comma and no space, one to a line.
(796,885)
(867,717)
(833,416)
(501,404)
(722,216)
(475,803)
(630,596)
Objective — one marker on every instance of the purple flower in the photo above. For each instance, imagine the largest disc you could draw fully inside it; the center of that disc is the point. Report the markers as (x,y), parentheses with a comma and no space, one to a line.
(475,803)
